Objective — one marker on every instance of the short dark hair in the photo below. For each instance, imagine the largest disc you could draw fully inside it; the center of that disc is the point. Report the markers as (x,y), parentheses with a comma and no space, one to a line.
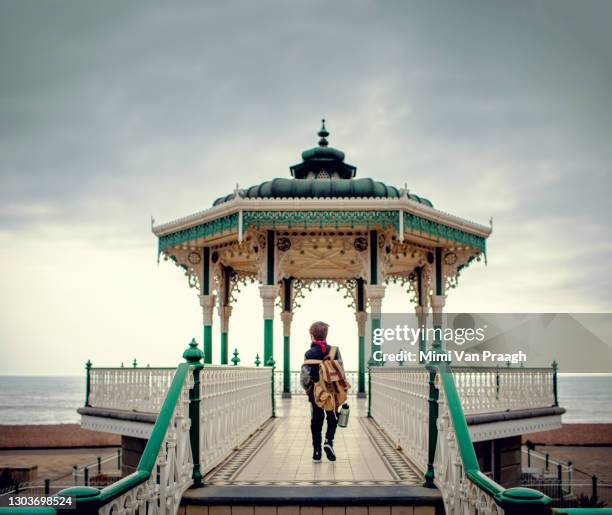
(319,330)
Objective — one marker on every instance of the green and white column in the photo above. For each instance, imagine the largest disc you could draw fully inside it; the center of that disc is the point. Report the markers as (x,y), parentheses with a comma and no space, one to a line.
(268,293)
(438,297)
(225,312)
(286,317)
(361,317)
(375,292)
(422,308)
(268,296)
(207,301)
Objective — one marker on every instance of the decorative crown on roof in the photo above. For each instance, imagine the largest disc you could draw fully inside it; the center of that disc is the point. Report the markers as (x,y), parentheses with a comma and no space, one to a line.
(323,162)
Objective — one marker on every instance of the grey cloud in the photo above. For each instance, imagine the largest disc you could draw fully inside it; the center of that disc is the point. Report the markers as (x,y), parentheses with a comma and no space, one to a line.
(110,112)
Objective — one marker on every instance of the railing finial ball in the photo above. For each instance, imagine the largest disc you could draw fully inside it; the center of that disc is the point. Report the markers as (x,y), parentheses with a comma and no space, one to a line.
(192,354)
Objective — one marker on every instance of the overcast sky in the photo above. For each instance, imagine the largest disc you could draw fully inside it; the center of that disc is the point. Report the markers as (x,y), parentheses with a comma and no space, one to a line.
(111,112)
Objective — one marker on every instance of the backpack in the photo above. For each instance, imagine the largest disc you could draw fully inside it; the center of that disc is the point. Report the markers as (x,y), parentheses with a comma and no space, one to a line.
(330,390)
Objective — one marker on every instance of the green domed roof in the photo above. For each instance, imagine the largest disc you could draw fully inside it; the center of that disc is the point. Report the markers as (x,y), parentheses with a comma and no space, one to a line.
(322,174)
(321,188)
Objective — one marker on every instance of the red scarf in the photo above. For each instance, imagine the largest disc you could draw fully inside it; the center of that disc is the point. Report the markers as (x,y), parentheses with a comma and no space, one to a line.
(321,343)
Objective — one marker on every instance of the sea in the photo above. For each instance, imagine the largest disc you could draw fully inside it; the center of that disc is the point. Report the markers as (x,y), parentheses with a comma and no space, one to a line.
(55,399)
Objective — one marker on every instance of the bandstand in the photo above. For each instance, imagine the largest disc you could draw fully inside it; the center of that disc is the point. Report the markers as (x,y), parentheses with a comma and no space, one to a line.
(322,225)
(207,437)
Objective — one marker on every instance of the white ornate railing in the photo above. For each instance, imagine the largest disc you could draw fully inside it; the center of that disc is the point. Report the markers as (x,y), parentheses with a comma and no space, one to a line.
(399,404)
(172,472)
(235,402)
(132,389)
(165,469)
(459,494)
(296,387)
(490,389)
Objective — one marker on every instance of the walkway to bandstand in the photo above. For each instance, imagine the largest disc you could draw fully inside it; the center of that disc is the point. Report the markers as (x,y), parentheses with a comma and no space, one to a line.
(281,453)
(220,420)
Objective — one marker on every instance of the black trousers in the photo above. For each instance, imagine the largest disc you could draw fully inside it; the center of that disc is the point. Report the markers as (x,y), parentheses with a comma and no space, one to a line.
(316,425)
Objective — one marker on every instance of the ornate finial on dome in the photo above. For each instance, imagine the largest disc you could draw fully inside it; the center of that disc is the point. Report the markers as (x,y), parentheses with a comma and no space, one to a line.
(323,133)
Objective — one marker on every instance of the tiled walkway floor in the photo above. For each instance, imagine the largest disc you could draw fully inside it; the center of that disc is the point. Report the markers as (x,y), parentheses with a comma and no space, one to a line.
(282,453)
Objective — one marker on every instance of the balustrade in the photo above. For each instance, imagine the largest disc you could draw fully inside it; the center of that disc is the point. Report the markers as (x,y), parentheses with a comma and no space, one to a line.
(491,389)
(231,404)
(132,389)
(399,404)
(235,402)
(459,493)
(166,467)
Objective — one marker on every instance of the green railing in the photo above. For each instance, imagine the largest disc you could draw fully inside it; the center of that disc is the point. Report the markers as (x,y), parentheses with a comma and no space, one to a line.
(517,500)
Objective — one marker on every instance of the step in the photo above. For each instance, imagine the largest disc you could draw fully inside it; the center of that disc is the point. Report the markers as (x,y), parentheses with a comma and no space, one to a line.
(312,500)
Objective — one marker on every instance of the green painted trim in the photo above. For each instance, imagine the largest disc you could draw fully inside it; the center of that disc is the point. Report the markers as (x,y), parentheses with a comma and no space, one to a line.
(268,340)
(207,345)
(433,430)
(287,287)
(224,349)
(270,247)
(321,219)
(194,429)
(369,392)
(216,227)
(466,449)
(555,366)
(374,325)
(438,264)
(149,455)
(361,365)
(360,294)
(421,225)
(373,257)
(422,346)
(227,275)
(419,285)
(272,363)
(286,364)
(87,382)
(235,358)
(206,271)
